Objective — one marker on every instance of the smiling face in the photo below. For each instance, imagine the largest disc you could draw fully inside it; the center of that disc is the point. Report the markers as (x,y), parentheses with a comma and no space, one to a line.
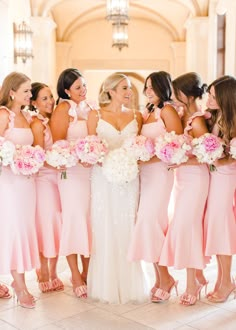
(122,93)
(211,101)
(150,94)
(23,94)
(77,90)
(45,101)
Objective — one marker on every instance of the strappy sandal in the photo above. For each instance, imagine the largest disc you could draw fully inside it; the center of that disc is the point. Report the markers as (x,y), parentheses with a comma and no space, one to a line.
(45,287)
(80,291)
(57,284)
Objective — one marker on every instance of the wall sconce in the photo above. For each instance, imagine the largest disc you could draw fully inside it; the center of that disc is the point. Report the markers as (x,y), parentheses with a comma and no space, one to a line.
(120,35)
(23,47)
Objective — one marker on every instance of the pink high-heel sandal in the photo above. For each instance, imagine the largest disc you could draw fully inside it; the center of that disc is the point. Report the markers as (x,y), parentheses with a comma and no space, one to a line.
(24,298)
(80,291)
(187,299)
(45,287)
(162,295)
(57,284)
(214,298)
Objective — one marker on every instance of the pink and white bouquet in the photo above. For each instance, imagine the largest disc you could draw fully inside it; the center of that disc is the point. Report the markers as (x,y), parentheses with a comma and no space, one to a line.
(27,159)
(7,151)
(61,154)
(172,148)
(232,148)
(141,147)
(120,166)
(208,148)
(91,149)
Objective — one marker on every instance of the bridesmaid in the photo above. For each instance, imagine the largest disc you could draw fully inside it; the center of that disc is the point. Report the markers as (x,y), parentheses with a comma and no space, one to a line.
(220,226)
(48,209)
(18,244)
(150,229)
(69,121)
(183,246)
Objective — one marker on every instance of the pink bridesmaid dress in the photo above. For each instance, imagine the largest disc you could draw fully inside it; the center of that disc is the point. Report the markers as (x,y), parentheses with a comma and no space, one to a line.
(18,243)
(75,194)
(155,189)
(220,222)
(48,205)
(183,246)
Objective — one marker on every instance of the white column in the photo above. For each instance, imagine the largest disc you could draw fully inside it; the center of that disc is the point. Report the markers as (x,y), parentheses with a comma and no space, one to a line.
(230,38)
(44,41)
(179,61)
(197,45)
(212,44)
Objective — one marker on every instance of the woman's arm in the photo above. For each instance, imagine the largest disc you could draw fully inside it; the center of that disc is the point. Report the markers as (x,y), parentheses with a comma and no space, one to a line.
(92,122)
(38,132)
(4,121)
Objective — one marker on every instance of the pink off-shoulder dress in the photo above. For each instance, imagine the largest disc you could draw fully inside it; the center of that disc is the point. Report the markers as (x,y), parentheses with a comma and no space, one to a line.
(18,242)
(48,205)
(75,194)
(155,189)
(183,246)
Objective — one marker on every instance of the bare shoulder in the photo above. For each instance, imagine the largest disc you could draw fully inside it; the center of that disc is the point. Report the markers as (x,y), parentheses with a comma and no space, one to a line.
(4,113)
(93,113)
(36,124)
(62,107)
(168,108)
(198,121)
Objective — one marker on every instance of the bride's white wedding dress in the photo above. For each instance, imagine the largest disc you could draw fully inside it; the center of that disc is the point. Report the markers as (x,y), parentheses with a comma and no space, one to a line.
(112,278)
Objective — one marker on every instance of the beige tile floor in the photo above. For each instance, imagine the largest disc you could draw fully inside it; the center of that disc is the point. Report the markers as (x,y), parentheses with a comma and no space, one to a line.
(56,311)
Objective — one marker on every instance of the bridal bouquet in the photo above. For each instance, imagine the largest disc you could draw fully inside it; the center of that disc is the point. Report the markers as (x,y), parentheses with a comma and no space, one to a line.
(61,154)
(7,150)
(120,166)
(208,148)
(141,147)
(27,159)
(91,149)
(172,148)
(232,150)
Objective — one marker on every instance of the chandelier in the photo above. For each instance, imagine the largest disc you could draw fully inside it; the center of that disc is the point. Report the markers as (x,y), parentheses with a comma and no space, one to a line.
(117,10)
(118,14)
(120,35)
(23,42)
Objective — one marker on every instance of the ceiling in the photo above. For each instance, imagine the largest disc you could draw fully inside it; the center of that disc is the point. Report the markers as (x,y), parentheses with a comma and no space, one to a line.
(71,15)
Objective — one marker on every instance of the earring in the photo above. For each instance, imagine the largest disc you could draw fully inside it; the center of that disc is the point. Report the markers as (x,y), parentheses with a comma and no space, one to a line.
(12,97)
(68,95)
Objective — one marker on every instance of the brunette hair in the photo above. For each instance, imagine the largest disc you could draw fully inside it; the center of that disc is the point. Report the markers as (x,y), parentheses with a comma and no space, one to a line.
(161,85)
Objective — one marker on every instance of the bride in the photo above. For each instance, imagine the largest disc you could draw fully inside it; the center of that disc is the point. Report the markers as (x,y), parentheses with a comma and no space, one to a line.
(111,277)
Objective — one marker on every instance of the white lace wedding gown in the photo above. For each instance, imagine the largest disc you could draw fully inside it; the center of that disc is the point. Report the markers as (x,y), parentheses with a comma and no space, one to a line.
(112,278)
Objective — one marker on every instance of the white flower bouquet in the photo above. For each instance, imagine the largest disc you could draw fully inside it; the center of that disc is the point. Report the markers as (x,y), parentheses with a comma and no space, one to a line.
(208,148)
(61,154)
(120,166)
(141,147)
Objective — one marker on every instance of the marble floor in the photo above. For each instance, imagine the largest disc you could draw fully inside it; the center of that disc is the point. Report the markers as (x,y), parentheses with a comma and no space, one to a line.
(62,310)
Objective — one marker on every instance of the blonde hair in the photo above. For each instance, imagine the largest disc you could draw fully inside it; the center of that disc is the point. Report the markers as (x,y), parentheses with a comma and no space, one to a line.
(111,82)
(11,82)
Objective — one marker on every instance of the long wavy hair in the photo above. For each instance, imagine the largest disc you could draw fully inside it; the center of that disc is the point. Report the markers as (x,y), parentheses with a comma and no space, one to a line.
(225,117)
